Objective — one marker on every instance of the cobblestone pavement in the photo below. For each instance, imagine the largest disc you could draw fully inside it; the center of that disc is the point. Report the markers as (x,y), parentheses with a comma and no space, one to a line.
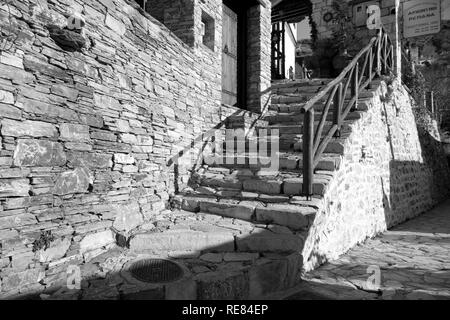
(412,260)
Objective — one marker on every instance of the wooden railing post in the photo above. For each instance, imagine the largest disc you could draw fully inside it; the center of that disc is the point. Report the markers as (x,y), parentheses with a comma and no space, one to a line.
(337,115)
(369,68)
(379,52)
(308,153)
(385,54)
(355,85)
(391,67)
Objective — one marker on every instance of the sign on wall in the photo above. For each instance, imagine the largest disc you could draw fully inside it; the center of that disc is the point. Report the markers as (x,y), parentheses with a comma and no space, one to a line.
(421,17)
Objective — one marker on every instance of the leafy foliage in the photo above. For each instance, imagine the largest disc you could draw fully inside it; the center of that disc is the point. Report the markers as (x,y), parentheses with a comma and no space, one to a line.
(44,241)
(344,30)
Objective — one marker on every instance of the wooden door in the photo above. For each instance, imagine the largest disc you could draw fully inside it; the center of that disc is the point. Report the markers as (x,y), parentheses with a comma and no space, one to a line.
(229,56)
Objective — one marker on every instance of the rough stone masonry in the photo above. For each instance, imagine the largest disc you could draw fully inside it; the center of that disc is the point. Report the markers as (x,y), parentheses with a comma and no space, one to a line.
(85,135)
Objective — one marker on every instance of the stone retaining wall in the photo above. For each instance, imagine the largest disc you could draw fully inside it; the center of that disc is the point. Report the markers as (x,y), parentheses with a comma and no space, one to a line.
(390,172)
(85,135)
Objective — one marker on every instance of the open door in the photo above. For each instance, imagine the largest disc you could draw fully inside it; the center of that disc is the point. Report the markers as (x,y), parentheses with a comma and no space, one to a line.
(229,57)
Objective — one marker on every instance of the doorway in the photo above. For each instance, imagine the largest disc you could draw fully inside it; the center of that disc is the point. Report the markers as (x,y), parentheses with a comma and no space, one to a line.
(234,52)
(229,56)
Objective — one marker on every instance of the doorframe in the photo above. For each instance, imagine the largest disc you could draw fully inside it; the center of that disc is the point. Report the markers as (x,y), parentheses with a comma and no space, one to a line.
(241,9)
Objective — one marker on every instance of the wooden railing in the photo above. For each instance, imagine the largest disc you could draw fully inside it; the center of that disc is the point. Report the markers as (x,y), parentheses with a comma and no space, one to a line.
(377,59)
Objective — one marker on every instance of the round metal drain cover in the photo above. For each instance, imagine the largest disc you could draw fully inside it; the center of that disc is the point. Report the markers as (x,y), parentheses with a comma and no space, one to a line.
(156,270)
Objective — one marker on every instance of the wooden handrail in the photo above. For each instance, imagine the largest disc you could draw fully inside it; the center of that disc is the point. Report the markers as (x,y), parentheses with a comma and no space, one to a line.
(310,103)
(379,55)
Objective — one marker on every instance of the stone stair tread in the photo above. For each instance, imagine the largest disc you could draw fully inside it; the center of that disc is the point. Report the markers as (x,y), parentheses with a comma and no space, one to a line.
(291,160)
(318,107)
(283,84)
(200,233)
(293,118)
(294,216)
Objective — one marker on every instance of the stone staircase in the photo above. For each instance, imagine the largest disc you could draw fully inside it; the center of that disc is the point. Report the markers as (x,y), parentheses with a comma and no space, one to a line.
(245,191)
(252,191)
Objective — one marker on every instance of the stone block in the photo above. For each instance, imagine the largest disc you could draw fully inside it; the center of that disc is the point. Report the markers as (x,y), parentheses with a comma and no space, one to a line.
(181,290)
(96,240)
(9,111)
(11,60)
(190,204)
(144,140)
(57,250)
(123,125)
(74,132)
(115,25)
(18,220)
(128,217)
(240,256)
(78,146)
(123,158)
(292,186)
(74,181)
(6,97)
(38,153)
(14,187)
(212,257)
(263,186)
(14,172)
(267,278)
(233,210)
(182,240)
(133,292)
(224,285)
(129,169)
(289,163)
(20,279)
(295,217)
(61,90)
(90,160)
(22,261)
(129,138)
(28,128)
(267,241)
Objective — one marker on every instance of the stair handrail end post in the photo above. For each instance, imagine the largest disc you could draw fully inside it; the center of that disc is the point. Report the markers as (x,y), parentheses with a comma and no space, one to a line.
(308,154)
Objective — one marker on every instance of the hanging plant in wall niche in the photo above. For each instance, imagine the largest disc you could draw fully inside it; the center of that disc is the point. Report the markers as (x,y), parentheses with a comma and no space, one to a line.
(71,37)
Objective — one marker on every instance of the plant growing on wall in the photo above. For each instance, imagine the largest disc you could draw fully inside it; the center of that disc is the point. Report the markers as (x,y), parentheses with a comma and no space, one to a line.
(43,242)
(344,29)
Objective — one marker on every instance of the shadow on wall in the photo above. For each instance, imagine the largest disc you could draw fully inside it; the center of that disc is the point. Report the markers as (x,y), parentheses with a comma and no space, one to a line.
(408,179)
(207,137)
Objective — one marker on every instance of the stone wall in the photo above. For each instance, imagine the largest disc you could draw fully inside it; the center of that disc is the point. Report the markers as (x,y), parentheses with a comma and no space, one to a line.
(390,171)
(86,135)
(259,57)
(178,16)
(325,29)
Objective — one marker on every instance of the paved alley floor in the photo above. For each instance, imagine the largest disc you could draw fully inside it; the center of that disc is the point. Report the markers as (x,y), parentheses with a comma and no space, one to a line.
(410,261)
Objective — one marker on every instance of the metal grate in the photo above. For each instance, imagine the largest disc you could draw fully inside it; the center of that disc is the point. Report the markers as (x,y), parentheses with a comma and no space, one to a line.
(156,271)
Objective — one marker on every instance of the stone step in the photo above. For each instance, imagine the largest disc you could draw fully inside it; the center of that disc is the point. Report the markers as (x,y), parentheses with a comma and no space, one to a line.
(318,107)
(293,118)
(296,217)
(297,128)
(250,262)
(288,84)
(218,231)
(240,195)
(304,97)
(266,182)
(294,143)
(283,161)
